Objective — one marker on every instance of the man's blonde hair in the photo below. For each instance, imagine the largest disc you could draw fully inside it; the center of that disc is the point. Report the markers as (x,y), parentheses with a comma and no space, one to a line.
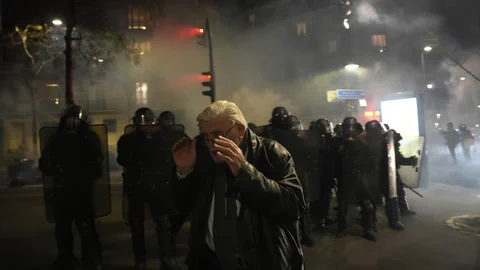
(224,108)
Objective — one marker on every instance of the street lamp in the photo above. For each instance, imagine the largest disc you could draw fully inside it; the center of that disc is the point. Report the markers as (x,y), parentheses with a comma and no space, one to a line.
(57,22)
(462,78)
(430,86)
(346,24)
(438,115)
(427,48)
(351,67)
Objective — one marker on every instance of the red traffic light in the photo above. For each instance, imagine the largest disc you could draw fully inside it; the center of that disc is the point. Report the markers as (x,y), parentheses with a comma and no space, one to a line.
(207,75)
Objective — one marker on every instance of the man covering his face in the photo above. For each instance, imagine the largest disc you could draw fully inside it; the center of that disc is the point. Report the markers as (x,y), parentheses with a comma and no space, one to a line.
(243,194)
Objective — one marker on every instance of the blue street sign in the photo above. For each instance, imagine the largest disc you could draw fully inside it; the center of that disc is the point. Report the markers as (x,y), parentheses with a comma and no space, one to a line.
(350,94)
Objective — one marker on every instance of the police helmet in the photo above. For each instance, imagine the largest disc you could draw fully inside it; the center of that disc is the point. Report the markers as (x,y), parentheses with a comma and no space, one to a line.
(144,116)
(324,126)
(373,126)
(292,123)
(462,127)
(72,117)
(167,118)
(338,130)
(279,111)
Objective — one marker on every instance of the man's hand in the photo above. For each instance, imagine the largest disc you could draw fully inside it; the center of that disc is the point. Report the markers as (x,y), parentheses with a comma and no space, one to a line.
(185,155)
(230,153)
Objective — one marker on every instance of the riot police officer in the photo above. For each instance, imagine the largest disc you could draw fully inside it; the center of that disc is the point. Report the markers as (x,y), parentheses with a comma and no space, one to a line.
(73,158)
(375,138)
(279,118)
(402,161)
(166,118)
(353,180)
(327,180)
(466,140)
(138,154)
(301,158)
(451,140)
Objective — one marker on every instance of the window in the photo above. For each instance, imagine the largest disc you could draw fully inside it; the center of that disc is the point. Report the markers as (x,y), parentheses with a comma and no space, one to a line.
(332,46)
(142,93)
(251,18)
(111,124)
(301,29)
(142,47)
(138,17)
(379,42)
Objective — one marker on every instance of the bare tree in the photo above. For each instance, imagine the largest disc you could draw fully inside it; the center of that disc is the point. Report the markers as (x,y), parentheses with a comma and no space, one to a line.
(43,44)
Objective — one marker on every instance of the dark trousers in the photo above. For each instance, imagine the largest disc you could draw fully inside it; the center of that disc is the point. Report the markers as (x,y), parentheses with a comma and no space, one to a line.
(137,201)
(208,260)
(91,247)
(74,204)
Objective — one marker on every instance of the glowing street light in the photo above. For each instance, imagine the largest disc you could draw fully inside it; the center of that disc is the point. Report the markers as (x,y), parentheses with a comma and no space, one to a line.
(477,125)
(436,125)
(346,24)
(462,78)
(427,48)
(430,86)
(351,67)
(57,101)
(57,22)
(478,106)
(438,115)
(100,60)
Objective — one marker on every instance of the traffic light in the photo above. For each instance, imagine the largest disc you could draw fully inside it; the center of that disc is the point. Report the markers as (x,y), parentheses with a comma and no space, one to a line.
(210,84)
(201,37)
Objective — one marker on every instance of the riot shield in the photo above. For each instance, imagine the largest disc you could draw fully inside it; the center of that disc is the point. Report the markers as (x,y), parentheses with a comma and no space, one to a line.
(392,167)
(315,147)
(304,147)
(157,195)
(262,131)
(412,146)
(101,190)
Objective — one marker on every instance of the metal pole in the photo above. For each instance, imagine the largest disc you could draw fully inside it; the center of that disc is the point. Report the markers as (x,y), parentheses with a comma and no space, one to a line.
(210,55)
(422,56)
(68,53)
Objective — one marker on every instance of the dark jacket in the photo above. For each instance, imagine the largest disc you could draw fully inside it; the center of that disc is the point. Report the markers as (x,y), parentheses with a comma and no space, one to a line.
(271,197)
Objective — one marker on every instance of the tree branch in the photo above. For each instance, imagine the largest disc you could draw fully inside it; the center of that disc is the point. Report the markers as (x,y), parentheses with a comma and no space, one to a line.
(24,36)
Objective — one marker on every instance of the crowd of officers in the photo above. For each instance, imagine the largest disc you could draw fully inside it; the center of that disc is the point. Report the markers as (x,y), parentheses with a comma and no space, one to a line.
(352,162)
(462,137)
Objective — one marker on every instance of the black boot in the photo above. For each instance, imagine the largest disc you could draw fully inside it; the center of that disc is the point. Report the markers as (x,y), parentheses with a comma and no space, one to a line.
(374,217)
(393,214)
(402,203)
(367,221)
(138,243)
(342,219)
(306,228)
(64,238)
(164,237)
(91,247)
(141,265)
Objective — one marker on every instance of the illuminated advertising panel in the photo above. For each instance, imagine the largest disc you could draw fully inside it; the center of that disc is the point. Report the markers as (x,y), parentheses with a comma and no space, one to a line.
(401,115)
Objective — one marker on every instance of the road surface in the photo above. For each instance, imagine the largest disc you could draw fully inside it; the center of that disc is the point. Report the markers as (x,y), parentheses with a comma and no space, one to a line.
(26,239)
